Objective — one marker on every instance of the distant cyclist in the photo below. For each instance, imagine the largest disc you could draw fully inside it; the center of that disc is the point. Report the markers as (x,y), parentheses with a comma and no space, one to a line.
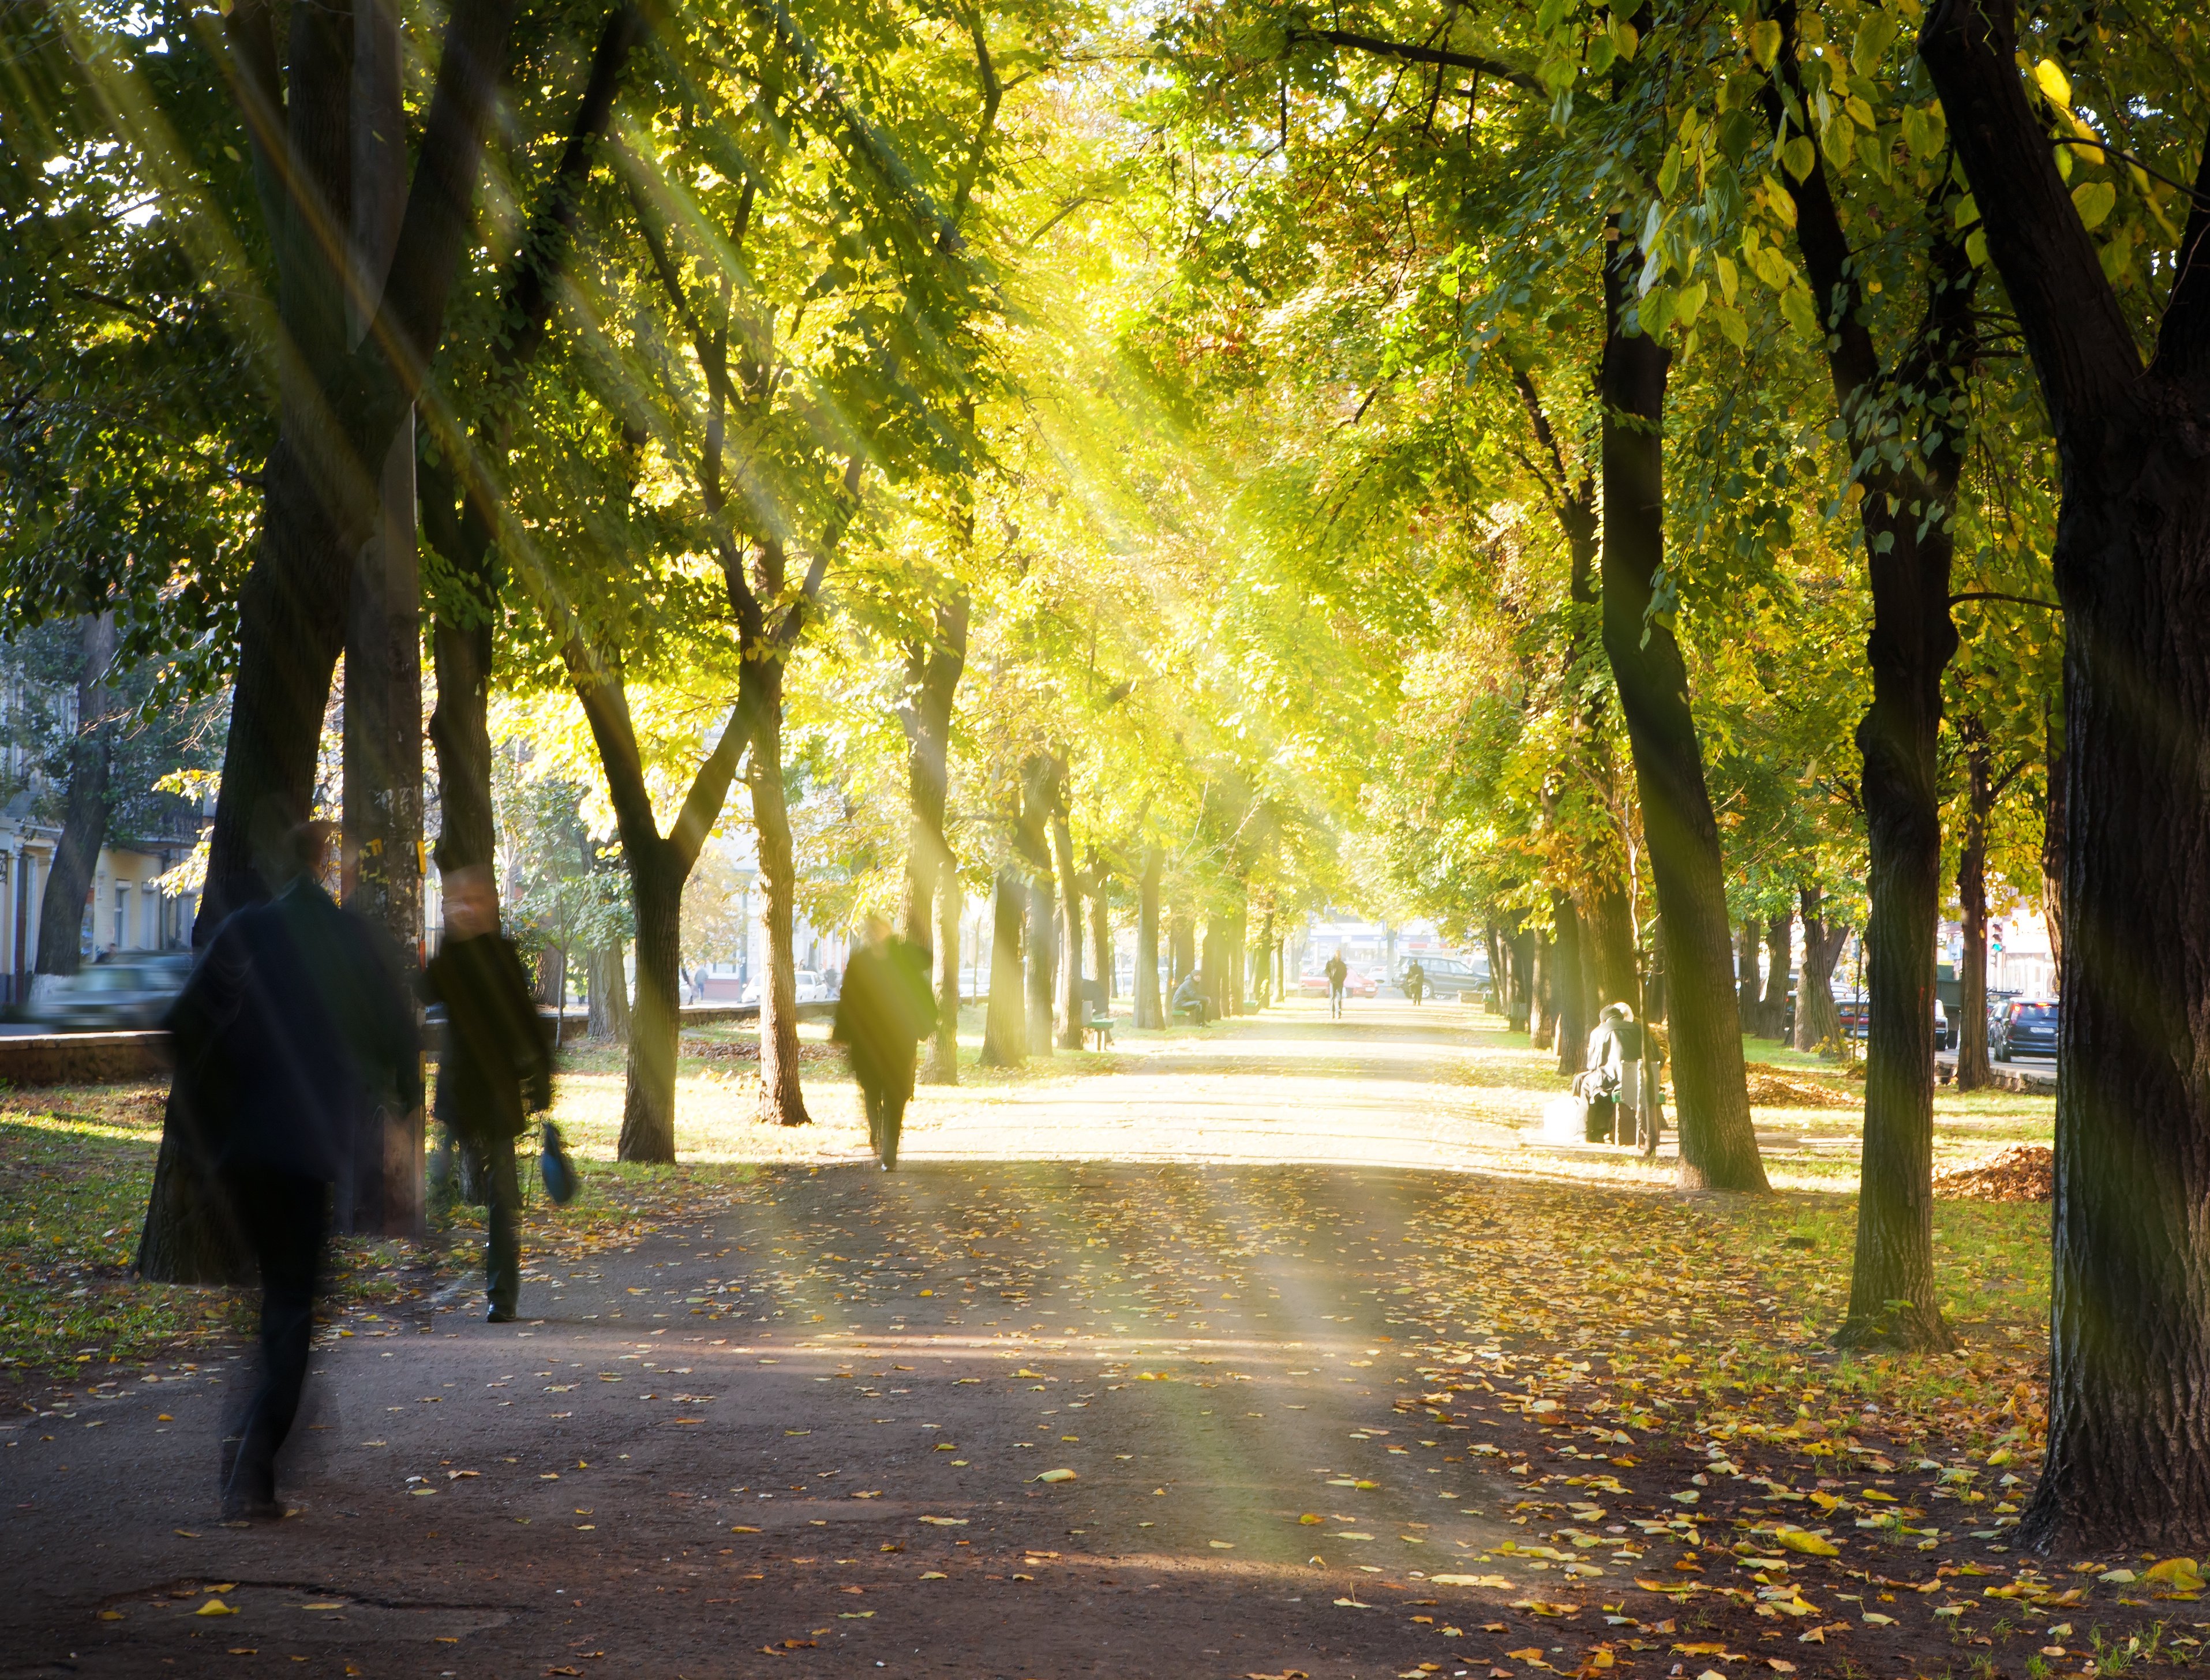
(1338,972)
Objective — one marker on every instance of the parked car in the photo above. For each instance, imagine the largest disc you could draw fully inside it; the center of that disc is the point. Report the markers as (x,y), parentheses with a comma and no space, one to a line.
(1449,976)
(1856,1011)
(811,988)
(1360,983)
(123,994)
(2027,1026)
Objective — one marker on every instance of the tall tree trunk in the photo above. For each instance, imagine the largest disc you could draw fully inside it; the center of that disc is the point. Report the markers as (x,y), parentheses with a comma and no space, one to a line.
(1004,1022)
(1748,989)
(1718,1149)
(1574,1022)
(605,971)
(781,1099)
(1212,963)
(1500,981)
(2128,1452)
(1151,1013)
(1779,950)
(1973,1073)
(1818,1022)
(648,1128)
(2052,838)
(1100,927)
(1905,512)
(1181,955)
(933,669)
(1073,1007)
(1265,969)
(1235,1004)
(1032,839)
(1542,1020)
(950,912)
(339,409)
(1519,997)
(84,805)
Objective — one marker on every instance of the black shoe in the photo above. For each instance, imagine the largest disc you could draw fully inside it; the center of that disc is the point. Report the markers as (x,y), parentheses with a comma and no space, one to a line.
(498,1316)
(243,1511)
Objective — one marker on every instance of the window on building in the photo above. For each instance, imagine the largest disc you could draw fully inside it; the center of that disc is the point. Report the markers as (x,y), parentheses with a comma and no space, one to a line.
(122,916)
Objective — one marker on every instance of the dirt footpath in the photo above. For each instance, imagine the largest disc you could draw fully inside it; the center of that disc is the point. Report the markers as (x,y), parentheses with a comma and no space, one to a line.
(793,1442)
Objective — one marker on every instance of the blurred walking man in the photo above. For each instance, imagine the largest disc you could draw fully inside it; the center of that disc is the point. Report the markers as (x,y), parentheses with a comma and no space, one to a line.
(496,1069)
(883,1012)
(293,1030)
(1338,972)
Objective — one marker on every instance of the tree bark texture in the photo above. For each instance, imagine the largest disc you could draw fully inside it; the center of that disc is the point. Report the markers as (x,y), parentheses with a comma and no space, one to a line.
(1973,1071)
(1818,1022)
(1073,1007)
(1541,1019)
(2052,838)
(943,1066)
(1520,996)
(1101,926)
(84,804)
(781,1099)
(1575,1022)
(1780,951)
(1004,1020)
(1151,1012)
(1032,833)
(1718,1149)
(606,972)
(1748,991)
(1181,942)
(2128,1452)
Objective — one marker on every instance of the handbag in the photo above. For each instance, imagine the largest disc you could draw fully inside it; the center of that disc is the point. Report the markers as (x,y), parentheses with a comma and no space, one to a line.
(558,1168)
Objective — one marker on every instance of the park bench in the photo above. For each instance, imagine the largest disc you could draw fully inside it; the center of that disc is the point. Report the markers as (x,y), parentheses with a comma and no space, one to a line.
(1099,1026)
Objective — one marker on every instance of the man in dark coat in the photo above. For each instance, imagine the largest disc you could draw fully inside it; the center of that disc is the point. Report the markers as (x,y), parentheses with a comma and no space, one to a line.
(294,1028)
(496,1069)
(885,1009)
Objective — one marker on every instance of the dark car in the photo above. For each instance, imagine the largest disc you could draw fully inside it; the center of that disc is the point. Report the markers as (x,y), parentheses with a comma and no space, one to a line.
(124,993)
(2027,1026)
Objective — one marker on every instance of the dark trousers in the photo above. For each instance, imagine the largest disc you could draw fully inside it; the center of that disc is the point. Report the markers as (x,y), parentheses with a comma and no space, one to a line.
(286,1221)
(886,1100)
(502,1189)
(1335,1000)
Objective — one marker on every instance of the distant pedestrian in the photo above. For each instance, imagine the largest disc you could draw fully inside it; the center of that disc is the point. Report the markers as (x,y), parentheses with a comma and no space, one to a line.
(1338,975)
(496,1069)
(1415,982)
(884,1010)
(293,1029)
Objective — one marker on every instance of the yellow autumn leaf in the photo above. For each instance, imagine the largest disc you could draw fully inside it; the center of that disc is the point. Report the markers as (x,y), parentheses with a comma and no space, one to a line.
(214,1607)
(1057,1476)
(1799,1539)
(2049,77)
(2094,201)
(1311,1519)
(1763,39)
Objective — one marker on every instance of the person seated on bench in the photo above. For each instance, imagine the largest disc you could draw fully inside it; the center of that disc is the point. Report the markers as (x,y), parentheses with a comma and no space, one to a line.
(1099,1012)
(1189,999)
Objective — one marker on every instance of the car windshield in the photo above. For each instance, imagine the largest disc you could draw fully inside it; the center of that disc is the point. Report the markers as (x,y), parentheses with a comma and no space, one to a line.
(111,979)
(2033,1014)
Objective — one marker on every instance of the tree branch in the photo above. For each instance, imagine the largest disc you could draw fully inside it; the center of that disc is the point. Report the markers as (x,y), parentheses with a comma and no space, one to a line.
(440,204)
(1996,596)
(2081,345)
(1422,55)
